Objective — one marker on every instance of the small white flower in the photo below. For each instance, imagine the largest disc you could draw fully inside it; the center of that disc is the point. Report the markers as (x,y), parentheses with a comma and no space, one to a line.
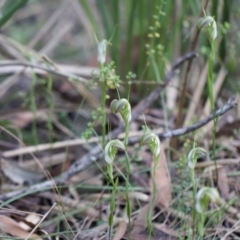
(203,197)
(111,150)
(122,106)
(193,155)
(153,141)
(102,50)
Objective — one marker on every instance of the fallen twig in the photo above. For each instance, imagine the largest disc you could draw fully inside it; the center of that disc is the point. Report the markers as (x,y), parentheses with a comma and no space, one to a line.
(44,68)
(181,131)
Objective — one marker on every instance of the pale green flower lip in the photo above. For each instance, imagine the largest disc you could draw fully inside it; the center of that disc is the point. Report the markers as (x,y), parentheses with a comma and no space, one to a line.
(203,196)
(102,49)
(111,150)
(123,107)
(153,141)
(193,155)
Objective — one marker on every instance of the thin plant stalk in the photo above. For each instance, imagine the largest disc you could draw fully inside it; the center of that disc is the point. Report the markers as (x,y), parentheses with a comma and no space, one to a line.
(210,25)
(192,159)
(201,226)
(116,36)
(150,209)
(126,134)
(142,13)
(133,7)
(211,98)
(112,208)
(87,8)
(128,206)
(194,192)
(103,103)
(33,107)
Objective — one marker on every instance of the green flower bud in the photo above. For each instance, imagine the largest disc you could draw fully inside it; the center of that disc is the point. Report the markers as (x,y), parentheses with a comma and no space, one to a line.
(102,50)
(193,155)
(153,141)
(210,25)
(203,197)
(111,150)
(123,107)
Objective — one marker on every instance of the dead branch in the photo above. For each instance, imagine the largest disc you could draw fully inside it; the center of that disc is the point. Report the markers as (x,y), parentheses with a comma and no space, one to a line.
(181,131)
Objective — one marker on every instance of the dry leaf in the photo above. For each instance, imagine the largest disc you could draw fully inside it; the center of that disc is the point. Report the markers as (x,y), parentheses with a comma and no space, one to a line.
(140,223)
(163,182)
(20,175)
(31,218)
(121,229)
(222,183)
(163,195)
(9,226)
(139,231)
(21,120)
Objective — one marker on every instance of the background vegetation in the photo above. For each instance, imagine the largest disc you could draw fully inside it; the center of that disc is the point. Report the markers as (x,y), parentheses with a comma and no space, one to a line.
(54,108)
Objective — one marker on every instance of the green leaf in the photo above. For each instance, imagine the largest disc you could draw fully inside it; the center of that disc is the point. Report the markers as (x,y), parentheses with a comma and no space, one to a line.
(9,8)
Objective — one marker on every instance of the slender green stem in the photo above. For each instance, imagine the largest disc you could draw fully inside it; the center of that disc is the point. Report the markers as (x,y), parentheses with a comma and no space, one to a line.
(155,67)
(110,171)
(127,194)
(116,36)
(201,226)
(226,16)
(151,205)
(127,179)
(126,134)
(194,192)
(142,54)
(211,97)
(33,107)
(87,8)
(51,106)
(103,103)
(133,6)
(112,208)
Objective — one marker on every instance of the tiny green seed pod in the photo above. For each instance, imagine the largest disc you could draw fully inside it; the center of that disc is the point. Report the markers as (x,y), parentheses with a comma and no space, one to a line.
(193,155)
(123,107)
(153,141)
(210,25)
(203,197)
(111,150)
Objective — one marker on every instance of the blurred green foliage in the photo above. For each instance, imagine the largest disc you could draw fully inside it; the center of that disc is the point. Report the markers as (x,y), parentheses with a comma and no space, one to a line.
(9,8)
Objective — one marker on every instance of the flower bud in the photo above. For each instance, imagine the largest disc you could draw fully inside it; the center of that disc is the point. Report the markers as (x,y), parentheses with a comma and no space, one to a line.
(111,149)
(152,140)
(123,107)
(193,155)
(203,197)
(210,25)
(102,50)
